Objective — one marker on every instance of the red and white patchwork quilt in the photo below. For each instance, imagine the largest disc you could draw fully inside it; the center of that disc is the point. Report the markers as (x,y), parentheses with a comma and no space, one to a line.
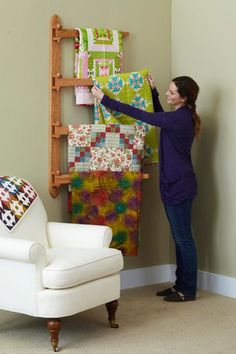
(101,147)
(16,197)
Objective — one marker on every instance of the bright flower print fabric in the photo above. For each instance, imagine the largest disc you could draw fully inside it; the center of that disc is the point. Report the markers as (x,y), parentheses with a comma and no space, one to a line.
(134,89)
(112,199)
(100,147)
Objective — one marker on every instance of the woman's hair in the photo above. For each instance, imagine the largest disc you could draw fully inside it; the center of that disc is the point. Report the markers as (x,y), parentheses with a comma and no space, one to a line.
(189,89)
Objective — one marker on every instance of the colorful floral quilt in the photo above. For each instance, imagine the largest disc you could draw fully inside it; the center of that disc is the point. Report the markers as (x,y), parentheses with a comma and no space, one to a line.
(16,197)
(111,147)
(112,199)
(134,89)
(98,52)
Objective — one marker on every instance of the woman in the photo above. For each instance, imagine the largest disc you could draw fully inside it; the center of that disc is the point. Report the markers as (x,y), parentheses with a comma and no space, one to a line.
(178,185)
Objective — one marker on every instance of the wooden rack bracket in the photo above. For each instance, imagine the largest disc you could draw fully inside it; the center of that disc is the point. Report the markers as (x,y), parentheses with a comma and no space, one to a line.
(61,179)
(54,105)
(56,82)
(70,33)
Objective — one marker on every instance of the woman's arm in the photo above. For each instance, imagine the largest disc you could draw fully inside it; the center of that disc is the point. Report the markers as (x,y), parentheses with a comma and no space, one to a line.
(155,95)
(156,103)
(159,119)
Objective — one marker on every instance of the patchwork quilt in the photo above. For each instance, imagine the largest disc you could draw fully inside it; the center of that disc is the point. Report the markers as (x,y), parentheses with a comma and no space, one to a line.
(16,197)
(134,89)
(98,52)
(111,199)
(111,147)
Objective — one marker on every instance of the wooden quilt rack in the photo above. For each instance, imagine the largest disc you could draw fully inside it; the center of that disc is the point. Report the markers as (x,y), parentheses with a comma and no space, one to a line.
(56,82)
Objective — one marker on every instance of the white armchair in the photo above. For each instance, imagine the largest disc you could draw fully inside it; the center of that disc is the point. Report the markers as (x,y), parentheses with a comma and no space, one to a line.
(53,270)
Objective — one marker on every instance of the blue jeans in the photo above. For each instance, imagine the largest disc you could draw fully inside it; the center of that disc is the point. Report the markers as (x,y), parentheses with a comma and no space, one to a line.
(179,217)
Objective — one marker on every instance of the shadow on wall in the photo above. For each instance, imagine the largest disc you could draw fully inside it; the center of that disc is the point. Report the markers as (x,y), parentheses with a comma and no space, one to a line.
(205,207)
(153,224)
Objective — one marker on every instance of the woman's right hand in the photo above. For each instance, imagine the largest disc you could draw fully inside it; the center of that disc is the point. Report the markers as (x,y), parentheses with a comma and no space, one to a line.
(97,93)
(151,81)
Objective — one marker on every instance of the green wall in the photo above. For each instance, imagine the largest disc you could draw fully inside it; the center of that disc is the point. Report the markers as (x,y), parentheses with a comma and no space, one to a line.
(203,46)
(168,37)
(24,28)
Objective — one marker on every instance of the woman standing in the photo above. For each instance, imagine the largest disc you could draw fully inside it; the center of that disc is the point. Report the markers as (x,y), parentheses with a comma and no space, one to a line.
(178,185)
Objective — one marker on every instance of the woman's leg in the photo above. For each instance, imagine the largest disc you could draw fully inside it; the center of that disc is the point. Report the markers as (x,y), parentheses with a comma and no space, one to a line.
(179,266)
(179,217)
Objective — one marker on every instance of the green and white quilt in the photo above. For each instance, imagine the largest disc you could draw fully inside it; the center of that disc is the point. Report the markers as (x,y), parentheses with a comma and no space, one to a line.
(134,89)
(98,52)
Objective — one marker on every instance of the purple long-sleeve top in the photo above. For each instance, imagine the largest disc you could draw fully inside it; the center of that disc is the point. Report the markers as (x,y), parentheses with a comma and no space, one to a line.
(177,178)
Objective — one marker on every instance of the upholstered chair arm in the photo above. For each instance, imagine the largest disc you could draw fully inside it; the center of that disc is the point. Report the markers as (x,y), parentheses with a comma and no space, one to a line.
(78,235)
(22,251)
(22,262)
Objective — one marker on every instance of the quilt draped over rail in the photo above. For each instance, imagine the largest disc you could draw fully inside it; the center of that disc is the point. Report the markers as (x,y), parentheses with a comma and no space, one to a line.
(134,89)
(16,197)
(111,147)
(104,164)
(98,52)
(112,199)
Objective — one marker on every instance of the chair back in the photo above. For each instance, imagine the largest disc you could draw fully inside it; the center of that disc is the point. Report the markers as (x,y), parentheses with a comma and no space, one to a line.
(22,214)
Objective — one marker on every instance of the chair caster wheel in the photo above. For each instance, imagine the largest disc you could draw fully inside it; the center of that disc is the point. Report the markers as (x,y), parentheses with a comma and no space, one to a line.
(113,324)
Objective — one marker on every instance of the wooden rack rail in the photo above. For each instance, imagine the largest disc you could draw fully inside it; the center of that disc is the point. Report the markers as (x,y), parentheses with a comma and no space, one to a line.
(56,82)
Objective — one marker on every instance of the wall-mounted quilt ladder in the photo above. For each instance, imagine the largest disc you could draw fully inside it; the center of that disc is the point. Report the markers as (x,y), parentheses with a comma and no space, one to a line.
(56,82)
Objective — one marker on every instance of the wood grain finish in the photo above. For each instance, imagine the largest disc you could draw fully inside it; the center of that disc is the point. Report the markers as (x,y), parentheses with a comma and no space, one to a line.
(54,326)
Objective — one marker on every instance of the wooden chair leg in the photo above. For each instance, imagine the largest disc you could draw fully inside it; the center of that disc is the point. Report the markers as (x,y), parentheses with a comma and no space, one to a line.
(54,326)
(111,308)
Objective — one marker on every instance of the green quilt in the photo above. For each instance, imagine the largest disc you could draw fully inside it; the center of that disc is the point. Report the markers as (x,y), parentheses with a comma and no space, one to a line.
(134,89)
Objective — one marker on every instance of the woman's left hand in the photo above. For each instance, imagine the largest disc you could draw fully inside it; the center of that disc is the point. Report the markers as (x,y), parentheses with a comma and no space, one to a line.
(151,81)
(97,93)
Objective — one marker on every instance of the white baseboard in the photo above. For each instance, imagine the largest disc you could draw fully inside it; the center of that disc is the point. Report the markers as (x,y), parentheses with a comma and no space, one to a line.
(218,284)
(133,278)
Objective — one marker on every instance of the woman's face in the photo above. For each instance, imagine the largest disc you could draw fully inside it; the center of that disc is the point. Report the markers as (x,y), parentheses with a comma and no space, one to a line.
(173,96)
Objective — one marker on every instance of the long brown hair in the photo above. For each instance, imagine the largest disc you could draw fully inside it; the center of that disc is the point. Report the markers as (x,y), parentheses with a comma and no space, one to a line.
(189,89)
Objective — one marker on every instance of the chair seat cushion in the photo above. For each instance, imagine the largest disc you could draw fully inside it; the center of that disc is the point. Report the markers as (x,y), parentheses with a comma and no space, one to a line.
(69,267)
